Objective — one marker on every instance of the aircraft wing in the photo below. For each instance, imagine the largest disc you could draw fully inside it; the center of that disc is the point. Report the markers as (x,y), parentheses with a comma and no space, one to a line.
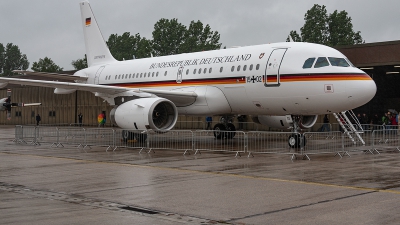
(180,98)
(54,76)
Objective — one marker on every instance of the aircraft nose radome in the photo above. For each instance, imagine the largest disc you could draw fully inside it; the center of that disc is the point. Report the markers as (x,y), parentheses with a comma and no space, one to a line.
(361,93)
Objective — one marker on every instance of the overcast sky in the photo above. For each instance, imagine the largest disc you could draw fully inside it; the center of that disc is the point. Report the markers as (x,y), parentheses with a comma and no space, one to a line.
(52,28)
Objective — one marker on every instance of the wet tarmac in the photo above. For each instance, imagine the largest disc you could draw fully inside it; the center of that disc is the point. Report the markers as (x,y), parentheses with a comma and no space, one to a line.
(47,185)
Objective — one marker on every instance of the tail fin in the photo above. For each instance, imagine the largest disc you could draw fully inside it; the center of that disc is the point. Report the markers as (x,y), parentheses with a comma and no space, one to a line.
(96,48)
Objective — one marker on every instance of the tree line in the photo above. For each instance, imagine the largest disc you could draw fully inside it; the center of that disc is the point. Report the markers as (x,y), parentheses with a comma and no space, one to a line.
(170,37)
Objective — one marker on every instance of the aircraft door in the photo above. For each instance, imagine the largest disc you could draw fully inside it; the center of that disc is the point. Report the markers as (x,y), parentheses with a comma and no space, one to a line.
(97,76)
(179,75)
(272,76)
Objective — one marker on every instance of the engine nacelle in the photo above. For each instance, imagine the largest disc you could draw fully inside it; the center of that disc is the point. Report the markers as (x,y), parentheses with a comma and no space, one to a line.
(282,122)
(158,114)
(2,107)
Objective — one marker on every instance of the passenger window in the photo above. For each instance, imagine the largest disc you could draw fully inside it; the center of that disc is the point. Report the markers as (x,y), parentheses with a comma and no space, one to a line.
(119,76)
(221,69)
(130,75)
(244,67)
(233,68)
(133,75)
(321,62)
(152,75)
(165,74)
(144,75)
(157,74)
(126,76)
(187,71)
(141,74)
(205,70)
(251,67)
(209,71)
(137,75)
(308,63)
(199,71)
(194,71)
(258,66)
(338,62)
(238,68)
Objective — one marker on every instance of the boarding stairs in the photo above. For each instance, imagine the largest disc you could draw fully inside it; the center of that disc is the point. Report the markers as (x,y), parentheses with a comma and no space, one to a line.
(350,125)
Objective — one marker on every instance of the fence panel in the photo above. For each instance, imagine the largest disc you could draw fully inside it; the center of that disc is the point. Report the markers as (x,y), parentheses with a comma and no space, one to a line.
(29,134)
(46,134)
(323,142)
(130,139)
(181,140)
(388,139)
(99,137)
(19,134)
(270,142)
(71,136)
(204,140)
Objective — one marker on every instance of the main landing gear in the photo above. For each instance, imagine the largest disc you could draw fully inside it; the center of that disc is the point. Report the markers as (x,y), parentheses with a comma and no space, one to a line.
(130,136)
(296,139)
(225,128)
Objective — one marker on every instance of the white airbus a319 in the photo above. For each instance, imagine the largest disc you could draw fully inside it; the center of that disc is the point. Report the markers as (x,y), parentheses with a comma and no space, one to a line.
(281,85)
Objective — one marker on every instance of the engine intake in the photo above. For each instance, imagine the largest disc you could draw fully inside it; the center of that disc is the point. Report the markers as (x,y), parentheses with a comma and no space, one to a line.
(158,114)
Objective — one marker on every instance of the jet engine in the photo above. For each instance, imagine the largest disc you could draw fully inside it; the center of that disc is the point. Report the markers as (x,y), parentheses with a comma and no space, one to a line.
(285,122)
(158,114)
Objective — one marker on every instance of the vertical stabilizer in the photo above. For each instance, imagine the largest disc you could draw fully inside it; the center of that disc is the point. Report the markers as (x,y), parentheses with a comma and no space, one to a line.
(97,51)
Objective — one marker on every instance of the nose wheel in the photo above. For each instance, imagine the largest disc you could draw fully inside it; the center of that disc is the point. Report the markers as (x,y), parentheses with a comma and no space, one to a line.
(296,140)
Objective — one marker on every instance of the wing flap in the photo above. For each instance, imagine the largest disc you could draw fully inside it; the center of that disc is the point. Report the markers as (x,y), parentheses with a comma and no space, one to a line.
(66,85)
(180,98)
(55,76)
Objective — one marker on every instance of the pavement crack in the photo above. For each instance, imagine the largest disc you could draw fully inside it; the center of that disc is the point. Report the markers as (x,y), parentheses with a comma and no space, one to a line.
(105,204)
(301,206)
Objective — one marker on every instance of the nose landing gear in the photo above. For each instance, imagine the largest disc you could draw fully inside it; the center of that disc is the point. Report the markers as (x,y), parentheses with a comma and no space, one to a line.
(296,139)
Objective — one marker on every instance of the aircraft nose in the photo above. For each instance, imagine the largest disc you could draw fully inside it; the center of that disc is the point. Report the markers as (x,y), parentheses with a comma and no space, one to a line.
(360,92)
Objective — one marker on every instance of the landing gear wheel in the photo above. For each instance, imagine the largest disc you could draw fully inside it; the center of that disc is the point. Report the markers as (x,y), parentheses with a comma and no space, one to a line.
(230,127)
(294,140)
(127,135)
(141,137)
(219,131)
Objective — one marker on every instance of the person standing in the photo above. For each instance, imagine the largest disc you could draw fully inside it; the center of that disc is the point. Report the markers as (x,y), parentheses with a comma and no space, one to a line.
(325,126)
(80,118)
(365,122)
(38,119)
(209,121)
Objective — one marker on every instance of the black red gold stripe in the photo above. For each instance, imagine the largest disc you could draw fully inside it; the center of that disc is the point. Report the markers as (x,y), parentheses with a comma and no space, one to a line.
(242,80)
(322,77)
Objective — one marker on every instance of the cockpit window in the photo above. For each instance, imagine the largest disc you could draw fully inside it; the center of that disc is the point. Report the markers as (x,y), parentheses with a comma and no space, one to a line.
(338,62)
(321,62)
(351,64)
(308,63)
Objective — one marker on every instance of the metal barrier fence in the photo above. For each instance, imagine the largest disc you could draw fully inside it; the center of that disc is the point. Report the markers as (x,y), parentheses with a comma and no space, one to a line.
(323,143)
(269,142)
(204,140)
(379,138)
(385,140)
(181,140)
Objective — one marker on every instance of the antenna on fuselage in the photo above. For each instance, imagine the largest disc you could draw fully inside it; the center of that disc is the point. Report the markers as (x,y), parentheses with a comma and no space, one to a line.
(290,38)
